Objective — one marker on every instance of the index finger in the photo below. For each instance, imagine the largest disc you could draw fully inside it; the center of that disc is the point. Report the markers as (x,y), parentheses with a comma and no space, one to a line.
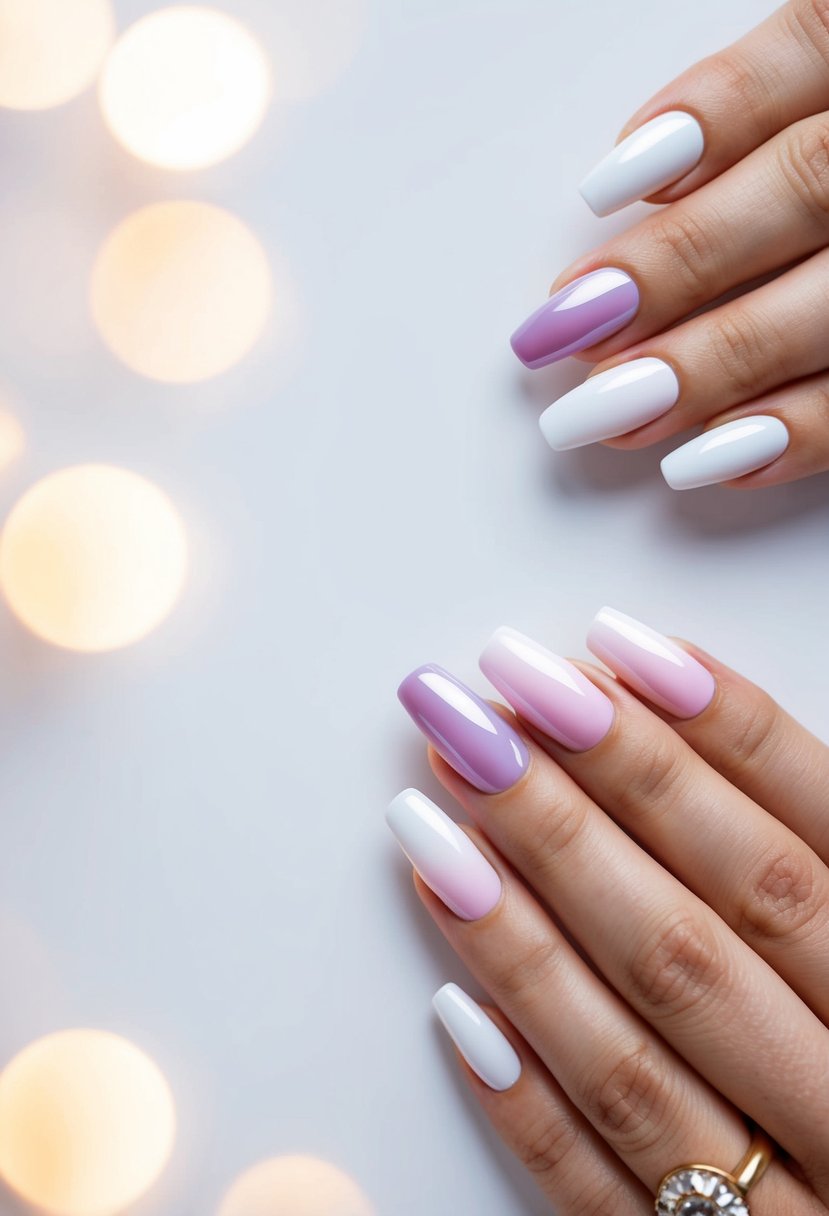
(719,110)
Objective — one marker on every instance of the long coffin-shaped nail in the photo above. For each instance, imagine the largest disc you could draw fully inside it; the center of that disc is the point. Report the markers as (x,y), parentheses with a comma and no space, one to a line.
(547,690)
(443,855)
(487,1051)
(657,153)
(579,315)
(467,732)
(610,403)
(651,663)
(725,452)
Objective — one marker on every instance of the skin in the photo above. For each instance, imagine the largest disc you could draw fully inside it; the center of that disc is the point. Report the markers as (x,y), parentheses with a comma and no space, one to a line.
(762,103)
(659,957)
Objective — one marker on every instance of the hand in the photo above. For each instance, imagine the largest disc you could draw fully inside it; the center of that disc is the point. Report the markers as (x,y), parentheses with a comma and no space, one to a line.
(645,896)
(744,139)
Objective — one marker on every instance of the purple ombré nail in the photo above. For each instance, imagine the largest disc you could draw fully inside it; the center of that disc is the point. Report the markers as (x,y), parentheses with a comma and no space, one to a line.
(579,315)
(467,732)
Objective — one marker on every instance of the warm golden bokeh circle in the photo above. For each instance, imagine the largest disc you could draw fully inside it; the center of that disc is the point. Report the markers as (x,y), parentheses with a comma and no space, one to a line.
(181,291)
(93,557)
(184,87)
(295,1186)
(87,1123)
(51,50)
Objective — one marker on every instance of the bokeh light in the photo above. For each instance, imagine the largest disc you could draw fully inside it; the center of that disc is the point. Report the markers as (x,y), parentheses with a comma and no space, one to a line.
(92,557)
(312,43)
(51,50)
(184,87)
(87,1123)
(295,1186)
(12,440)
(181,291)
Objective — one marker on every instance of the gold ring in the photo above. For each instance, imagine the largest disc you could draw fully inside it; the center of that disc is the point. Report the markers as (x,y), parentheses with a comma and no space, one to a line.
(705,1190)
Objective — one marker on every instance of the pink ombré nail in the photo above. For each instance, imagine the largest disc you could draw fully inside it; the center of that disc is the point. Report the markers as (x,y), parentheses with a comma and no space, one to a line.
(651,663)
(443,855)
(548,691)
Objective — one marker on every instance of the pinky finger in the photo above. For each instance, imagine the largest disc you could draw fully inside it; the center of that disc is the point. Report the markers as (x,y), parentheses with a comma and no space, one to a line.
(574,1167)
(778,438)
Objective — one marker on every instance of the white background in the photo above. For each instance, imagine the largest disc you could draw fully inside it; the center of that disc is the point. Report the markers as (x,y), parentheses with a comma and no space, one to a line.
(194,852)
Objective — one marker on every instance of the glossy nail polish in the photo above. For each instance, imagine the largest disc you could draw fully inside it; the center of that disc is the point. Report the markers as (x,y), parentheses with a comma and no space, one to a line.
(658,153)
(468,733)
(579,315)
(548,691)
(651,663)
(444,856)
(486,1050)
(610,403)
(726,451)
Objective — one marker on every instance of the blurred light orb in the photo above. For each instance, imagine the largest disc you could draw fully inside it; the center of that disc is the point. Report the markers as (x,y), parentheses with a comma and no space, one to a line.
(184,87)
(93,557)
(12,440)
(181,291)
(87,1123)
(295,1186)
(51,50)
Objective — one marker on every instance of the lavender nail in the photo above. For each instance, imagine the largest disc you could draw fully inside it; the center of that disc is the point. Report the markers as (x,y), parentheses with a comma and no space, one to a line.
(467,732)
(579,315)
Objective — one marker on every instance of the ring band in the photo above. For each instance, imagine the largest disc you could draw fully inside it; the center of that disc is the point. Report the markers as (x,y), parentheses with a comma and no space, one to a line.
(706,1190)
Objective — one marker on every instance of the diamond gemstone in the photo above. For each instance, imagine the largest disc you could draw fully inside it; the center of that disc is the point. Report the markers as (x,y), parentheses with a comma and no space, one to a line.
(699,1192)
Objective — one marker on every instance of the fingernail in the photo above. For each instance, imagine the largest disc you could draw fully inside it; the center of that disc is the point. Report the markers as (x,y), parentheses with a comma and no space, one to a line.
(651,663)
(467,732)
(546,690)
(727,451)
(444,856)
(610,403)
(577,316)
(657,153)
(486,1050)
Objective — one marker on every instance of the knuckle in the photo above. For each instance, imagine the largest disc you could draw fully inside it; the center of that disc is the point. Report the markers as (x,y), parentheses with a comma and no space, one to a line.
(691,251)
(753,742)
(811,18)
(655,778)
(546,1144)
(677,967)
(779,900)
(628,1104)
(740,349)
(804,161)
(736,79)
(545,842)
(516,977)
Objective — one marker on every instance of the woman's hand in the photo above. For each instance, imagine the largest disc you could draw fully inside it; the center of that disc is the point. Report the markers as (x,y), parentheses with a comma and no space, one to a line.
(744,139)
(645,897)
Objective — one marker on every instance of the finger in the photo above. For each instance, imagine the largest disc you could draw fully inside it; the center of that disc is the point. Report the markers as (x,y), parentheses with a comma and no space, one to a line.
(639,1097)
(574,1167)
(745,735)
(736,354)
(740,97)
(781,437)
(673,959)
(662,792)
(700,247)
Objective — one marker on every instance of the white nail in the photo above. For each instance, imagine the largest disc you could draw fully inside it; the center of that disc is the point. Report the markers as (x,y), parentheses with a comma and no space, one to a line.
(610,403)
(656,154)
(728,451)
(477,1038)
